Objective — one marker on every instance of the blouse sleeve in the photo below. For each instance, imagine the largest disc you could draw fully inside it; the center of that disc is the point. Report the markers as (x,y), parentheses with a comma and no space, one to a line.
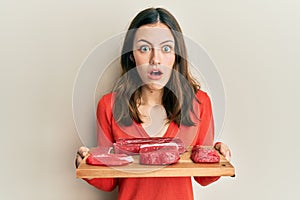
(205,131)
(104,139)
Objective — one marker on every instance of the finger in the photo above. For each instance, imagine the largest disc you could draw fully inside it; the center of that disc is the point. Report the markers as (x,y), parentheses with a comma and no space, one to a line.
(224,151)
(78,161)
(82,151)
(228,156)
(217,146)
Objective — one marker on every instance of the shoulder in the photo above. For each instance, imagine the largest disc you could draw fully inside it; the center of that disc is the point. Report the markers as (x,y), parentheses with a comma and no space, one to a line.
(106,100)
(105,105)
(202,96)
(106,97)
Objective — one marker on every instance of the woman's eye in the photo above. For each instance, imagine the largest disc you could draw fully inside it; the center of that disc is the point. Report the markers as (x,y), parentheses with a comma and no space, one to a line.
(167,49)
(144,48)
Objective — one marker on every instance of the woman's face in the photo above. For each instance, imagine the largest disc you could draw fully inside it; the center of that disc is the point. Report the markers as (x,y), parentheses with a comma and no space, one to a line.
(154,54)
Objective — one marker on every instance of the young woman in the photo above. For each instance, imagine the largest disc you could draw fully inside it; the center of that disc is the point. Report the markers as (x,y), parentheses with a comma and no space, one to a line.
(155,97)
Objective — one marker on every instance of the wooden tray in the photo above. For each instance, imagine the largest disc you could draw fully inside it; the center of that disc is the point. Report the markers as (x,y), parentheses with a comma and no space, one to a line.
(185,167)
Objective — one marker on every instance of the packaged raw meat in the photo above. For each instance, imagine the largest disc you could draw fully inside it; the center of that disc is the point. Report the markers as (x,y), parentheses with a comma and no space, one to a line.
(159,154)
(204,154)
(132,146)
(98,157)
(129,149)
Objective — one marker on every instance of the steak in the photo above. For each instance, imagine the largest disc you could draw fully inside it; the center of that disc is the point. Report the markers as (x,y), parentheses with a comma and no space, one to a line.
(131,146)
(99,158)
(159,154)
(204,154)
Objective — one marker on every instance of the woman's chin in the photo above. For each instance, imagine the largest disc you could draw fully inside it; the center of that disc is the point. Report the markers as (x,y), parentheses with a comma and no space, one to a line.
(155,86)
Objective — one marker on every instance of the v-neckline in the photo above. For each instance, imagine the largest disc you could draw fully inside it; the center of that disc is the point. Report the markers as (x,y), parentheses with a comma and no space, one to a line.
(166,134)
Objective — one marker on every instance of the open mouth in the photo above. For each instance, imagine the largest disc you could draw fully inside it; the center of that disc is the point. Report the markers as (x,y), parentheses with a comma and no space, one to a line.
(155,74)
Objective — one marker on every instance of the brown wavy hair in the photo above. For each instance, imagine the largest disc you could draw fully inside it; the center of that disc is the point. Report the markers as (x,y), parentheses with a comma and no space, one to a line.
(180,90)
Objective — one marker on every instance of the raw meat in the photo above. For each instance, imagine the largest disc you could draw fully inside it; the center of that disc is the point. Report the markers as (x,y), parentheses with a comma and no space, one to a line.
(159,154)
(129,149)
(97,157)
(132,146)
(204,154)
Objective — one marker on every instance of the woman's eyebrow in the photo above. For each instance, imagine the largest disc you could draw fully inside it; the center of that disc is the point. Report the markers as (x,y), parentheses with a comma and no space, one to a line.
(167,41)
(143,40)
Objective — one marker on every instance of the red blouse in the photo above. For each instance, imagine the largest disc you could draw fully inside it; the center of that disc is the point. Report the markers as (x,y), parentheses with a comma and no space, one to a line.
(161,187)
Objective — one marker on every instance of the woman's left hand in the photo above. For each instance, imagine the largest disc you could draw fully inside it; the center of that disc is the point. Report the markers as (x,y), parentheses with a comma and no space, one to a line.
(224,150)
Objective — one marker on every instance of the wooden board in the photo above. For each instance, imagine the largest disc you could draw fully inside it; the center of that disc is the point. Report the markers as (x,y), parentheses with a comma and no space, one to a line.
(185,167)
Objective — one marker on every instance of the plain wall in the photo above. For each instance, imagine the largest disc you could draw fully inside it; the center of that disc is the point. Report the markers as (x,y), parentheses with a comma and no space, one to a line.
(254,44)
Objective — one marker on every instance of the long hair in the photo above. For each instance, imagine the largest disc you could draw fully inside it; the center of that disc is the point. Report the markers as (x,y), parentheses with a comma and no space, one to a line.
(180,90)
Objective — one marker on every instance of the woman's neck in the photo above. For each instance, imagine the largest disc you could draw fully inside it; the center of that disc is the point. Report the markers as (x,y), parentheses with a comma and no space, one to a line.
(151,97)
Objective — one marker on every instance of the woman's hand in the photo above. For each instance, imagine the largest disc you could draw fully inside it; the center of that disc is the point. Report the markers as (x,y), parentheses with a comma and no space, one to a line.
(81,153)
(224,150)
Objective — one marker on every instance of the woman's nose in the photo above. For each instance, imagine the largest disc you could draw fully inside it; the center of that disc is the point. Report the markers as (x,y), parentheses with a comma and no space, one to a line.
(155,56)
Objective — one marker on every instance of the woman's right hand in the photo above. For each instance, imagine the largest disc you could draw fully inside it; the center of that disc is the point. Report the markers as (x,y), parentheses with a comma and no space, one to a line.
(81,153)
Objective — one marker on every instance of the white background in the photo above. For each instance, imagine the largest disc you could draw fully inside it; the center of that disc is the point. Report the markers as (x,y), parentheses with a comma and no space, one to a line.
(254,44)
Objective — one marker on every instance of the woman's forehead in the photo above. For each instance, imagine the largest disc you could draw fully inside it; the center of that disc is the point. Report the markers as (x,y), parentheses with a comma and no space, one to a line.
(154,33)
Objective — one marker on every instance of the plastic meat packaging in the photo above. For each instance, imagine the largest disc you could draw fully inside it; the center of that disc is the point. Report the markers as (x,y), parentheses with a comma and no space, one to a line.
(100,158)
(159,154)
(131,146)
